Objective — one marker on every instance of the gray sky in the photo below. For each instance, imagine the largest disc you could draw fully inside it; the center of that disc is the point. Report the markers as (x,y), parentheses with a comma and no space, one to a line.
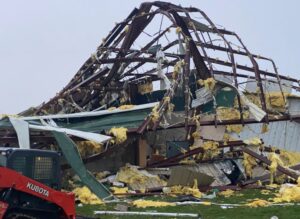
(44,43)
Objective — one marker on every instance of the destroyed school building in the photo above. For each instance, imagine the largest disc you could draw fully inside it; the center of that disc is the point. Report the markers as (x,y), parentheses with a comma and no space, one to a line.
(167,87)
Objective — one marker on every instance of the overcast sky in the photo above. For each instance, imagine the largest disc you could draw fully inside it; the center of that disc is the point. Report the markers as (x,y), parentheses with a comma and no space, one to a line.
(44,43)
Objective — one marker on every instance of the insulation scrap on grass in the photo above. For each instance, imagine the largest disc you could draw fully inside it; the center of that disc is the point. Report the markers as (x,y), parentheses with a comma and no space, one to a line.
(85,196)
(138,179)
(120,134)
(117,190)
(258,203)
(288,193)
(227,193)
(265,192)
(184,190)
(148,203)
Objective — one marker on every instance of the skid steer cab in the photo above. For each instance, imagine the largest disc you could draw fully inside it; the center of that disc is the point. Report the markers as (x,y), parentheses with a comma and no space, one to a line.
(30,184)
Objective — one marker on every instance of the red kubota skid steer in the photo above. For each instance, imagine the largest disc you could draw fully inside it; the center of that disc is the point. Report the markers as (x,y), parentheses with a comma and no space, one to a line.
(30,186)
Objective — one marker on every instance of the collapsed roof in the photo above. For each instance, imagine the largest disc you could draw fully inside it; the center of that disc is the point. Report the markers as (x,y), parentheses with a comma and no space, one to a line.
(162,46)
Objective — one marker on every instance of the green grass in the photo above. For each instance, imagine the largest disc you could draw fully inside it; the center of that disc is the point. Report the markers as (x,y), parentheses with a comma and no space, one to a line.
(210,212)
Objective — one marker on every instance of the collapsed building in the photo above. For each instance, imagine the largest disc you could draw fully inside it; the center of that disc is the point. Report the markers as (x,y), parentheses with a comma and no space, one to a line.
(167,87)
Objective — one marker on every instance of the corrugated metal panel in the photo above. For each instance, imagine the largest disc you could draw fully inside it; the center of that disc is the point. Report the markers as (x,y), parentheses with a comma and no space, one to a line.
(284,134)
(294,105)
(251,86)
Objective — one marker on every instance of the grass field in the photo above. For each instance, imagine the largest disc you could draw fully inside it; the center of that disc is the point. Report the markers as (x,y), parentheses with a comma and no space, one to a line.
(212,211)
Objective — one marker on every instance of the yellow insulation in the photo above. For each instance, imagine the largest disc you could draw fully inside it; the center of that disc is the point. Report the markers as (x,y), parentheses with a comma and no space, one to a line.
(227,193)
(131,175)
(87,148)
(125,107)
(274,100)
(185,190)
(211,149)
(288,193)
(85,196)
(117,190)
(177,68)
(275,161)
(289,158)
(265,192)
(258,203)
(154,114)
(112,108)
(148,203)
(178,30)
(145,88)
(249,163)
(120,134)
(253,141)
(225,113)
(209,83)
(264,128)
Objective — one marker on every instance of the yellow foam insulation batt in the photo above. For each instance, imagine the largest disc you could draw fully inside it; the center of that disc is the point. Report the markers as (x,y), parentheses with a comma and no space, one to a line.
(249,163)
(132,176)
(177,68)
(112,108)
(125,107)
(101,175)
(145,88)
(120,134)
(178,30)
(154,114)
(227,193)
(169,105)
(265,192)
(206,203)
(227,138)
(288,193)
(225,113)
(210,148)
(87,148)
(209,83)
(85,196)
(117,190)
(148,203)
(275,161)
(274,100)
(185,190)
(253,141)
(264,128)
(258,203)
(289,158)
